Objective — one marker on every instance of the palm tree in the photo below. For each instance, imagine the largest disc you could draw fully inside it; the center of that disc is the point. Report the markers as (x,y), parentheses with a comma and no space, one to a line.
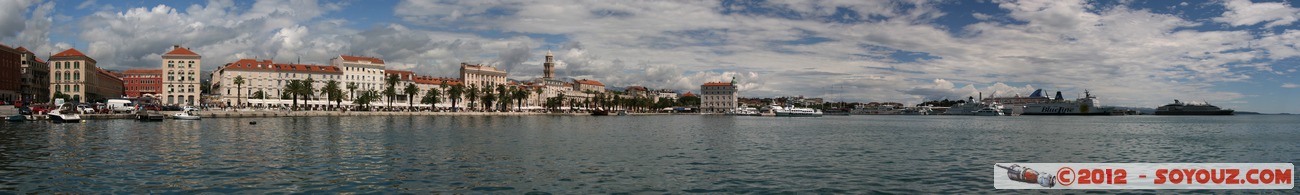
(455,94)
(293,89)
(503,96)
(331,91)
(239,89)
(431,98)
(539,92)
(520,95)
(352,90)
(411,91)
(392,88)
(472,93)
(308,89)
(487,98)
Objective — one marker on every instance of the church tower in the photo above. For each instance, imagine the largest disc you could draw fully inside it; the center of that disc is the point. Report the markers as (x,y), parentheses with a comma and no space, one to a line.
(550,66)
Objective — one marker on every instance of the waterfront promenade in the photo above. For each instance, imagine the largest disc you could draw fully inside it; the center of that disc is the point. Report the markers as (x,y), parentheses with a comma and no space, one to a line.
(7,111)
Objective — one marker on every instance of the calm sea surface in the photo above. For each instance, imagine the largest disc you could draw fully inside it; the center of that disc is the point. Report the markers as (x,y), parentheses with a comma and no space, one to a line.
(582,155)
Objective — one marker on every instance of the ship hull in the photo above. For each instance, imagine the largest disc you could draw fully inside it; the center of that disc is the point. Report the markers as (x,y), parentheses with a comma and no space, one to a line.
(1216,112)
(1068,114)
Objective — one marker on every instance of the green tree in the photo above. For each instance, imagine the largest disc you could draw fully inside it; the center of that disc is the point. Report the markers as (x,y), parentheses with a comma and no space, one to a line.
(520,94)
(308,89)
(239,90)
(503,96)
(538,91)
(352,90)
(431,98)
(293,89)
(454,95)
(410,91)
(259,94)
(487,98)
(391,92)
(472,93)
(332,92)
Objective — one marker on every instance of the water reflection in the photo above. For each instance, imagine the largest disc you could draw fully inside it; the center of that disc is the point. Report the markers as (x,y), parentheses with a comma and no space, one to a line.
(581,155)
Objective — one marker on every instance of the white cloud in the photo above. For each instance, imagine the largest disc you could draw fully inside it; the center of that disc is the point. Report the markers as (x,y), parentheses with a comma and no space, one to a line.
(1244,12)
(1290,85)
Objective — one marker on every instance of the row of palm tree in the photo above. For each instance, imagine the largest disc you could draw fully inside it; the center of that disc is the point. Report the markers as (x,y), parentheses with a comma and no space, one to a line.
(498,99)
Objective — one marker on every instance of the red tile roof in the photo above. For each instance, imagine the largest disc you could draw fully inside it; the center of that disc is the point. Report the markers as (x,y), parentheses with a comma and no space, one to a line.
(359,59)
(589,82)
(717,84)
(181,51)
(688,94)
(70,52)
(24,49)
(252,64)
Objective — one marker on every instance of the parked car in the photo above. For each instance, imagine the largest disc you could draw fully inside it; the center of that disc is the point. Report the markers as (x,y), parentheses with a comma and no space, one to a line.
(85,108)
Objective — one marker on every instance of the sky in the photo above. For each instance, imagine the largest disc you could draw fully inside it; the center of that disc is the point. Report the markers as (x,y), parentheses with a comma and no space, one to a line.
(1239,54)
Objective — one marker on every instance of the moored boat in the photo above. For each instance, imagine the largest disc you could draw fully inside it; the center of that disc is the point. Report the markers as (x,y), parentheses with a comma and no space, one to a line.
(188,114)
(797,112)
(1087,105)
(1183,108)
(58,115)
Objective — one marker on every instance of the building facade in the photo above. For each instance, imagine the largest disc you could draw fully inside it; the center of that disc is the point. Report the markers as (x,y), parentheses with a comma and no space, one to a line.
(717,97)
(482,76)
(10,73)
(76,76)
(265,81)
(181,85)
(366,72)
(587,85)
(140,83)
(36,80)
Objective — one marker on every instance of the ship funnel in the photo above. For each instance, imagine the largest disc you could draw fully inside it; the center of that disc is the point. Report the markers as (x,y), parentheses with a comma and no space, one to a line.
(1058,96)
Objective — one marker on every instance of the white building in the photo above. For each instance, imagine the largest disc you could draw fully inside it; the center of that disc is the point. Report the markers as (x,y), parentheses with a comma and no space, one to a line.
(366,72)
(180,83)
(265,80)
(482,76)
(718,97)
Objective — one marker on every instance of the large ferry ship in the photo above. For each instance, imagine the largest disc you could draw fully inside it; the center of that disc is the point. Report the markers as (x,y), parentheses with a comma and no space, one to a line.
(1087,105)
(1183,108)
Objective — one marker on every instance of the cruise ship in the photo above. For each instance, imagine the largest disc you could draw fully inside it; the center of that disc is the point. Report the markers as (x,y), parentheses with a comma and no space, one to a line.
(1183,108)
(1087,105)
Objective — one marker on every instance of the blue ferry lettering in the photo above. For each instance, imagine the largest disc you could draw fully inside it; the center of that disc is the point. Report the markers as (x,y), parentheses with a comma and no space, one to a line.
(1057,109)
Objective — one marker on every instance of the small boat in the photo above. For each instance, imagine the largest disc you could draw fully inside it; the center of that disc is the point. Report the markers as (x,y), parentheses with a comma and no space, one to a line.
(600,113)
(142,114)
(622,113)
(188,114)
(57,115)
(16,118)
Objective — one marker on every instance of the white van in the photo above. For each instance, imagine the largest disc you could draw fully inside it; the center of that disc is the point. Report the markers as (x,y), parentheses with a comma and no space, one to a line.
(120,105)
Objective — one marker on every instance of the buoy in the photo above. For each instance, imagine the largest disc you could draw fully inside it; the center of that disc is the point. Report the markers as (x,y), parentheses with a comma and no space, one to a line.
(252,123)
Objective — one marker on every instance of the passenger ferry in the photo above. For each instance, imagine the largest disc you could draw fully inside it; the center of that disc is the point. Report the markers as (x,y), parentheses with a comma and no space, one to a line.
(1183,108)
(1088,105)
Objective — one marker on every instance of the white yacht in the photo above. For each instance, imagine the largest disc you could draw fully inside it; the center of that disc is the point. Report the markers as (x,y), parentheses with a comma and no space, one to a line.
(58,115)
(797,112)
(990,111)
(188,114)
(743,112)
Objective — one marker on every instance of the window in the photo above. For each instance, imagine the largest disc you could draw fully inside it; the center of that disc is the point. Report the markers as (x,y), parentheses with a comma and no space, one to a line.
(76,65)
(57,77)
(76,88)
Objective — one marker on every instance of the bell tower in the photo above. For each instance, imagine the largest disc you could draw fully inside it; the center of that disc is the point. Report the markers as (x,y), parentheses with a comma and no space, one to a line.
(549,73)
